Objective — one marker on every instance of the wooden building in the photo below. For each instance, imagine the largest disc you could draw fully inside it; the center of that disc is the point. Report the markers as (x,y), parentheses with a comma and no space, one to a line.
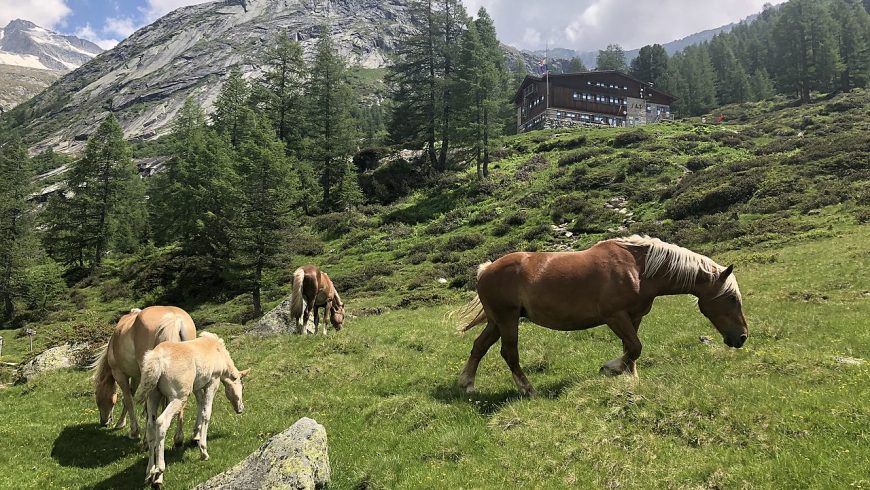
(593,98)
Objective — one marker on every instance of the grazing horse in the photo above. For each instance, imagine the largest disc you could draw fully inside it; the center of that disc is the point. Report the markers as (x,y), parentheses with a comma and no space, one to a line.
(313,289)
(614,283)
(170,373)
(118,364)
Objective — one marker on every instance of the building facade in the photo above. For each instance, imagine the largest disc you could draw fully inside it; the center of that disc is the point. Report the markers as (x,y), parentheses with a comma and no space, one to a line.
(594,98)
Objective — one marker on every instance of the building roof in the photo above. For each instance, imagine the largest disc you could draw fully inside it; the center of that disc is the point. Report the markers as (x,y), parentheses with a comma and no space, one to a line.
(583,74)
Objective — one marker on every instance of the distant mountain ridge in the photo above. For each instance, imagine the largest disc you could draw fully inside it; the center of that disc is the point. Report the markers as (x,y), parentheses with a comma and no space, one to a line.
(32,57)
(589,57)
(188,53)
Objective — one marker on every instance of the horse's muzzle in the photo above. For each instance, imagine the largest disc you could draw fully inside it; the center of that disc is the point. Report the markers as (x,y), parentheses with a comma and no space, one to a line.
(736,343)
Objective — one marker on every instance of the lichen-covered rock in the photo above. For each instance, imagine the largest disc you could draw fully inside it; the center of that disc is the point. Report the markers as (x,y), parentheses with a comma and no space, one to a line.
(61,357)
(294,459)
(277,321)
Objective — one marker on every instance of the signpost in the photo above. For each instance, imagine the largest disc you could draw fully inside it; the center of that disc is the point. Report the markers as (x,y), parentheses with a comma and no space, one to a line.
(30,333)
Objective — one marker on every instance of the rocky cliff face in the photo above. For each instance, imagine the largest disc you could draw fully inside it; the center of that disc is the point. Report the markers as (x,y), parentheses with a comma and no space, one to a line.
(188,53)
(31,58)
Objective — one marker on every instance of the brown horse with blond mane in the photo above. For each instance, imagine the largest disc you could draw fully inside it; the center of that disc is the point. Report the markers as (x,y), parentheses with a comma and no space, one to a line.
(613,283)
(119,363)
(312,290)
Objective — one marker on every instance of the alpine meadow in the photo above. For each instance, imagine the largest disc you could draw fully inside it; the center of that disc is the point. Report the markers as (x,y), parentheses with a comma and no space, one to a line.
(370,245)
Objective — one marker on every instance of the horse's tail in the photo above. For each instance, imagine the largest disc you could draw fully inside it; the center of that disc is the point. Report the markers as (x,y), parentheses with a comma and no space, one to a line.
(100,366)
(152,369)
(297,302)
(170,329)
(472,314)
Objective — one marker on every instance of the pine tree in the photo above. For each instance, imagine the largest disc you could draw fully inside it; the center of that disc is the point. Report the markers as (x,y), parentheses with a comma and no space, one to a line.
(761,85)
(280,90)
(107,208)
(853,40)
(193,200)
(266,186)
(232,116)
(333,130)
(732,82)
(611,58)
(575,65)
(17,245)
(650,64)
(806,50)
(691,78)
(453,20)
(414,80)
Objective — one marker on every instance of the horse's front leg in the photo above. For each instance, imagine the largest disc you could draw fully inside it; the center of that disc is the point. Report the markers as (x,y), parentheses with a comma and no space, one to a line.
(326,314)
(316,318)
(482,343)
(511,355)
(197,427)
(129,403)
(626,329)
(205,416)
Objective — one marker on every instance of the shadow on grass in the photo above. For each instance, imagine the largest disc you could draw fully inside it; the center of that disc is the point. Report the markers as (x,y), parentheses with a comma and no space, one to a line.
(89,446)
(489,403)
(134,475)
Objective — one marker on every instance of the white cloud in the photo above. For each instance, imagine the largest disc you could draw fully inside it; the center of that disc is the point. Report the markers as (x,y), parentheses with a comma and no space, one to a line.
(158,8)
(122,26)
(87,32)
(589,25)
(45,13)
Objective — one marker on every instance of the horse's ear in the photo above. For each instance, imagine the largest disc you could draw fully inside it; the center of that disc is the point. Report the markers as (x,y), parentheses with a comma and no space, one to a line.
(727,272)
(244,373)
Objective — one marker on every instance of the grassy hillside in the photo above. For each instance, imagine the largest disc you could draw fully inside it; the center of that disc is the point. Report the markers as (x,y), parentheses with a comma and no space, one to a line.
(782,192)
(780,413)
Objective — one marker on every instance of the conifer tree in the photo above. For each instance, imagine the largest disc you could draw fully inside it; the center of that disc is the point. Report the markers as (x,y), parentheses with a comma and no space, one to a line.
(233,117)
(760,84)
(333,131)
(806,49)
(266,187)
(611,58)
(575,65)
(17,244)
(853,40)
(280,90)
(732,82)
(193,200)
(650,64)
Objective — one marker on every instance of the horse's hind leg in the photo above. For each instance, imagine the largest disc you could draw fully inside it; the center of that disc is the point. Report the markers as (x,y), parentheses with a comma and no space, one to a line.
(509,351)
(178,440)
(626,329)
(482,343)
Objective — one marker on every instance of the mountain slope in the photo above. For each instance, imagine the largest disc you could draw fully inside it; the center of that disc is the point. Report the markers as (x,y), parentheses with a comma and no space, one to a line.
(187,53)
(32,57)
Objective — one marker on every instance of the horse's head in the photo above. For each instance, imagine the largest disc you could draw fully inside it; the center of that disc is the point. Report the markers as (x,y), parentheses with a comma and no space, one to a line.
(107,396)
(721,303)
(233,388)
(336,316)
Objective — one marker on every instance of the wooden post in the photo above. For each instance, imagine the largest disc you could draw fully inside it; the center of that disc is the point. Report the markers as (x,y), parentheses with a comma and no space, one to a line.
(1,347)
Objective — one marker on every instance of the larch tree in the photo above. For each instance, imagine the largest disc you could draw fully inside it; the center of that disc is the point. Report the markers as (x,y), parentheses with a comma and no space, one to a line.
(650,65)
(17,244)
(332,134)
(266,187)
(611,58)
(233,116)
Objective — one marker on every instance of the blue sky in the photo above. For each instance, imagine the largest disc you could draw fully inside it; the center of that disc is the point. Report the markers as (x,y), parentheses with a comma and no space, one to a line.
(584,25)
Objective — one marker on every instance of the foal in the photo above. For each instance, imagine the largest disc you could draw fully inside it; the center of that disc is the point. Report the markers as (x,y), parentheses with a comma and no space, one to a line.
(171,372)
(313,289)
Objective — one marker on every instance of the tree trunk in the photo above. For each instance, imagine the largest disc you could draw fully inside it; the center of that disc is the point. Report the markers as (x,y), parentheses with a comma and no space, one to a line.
(445,124)
(8,306)
(433,156)
(485,143)
(255,292)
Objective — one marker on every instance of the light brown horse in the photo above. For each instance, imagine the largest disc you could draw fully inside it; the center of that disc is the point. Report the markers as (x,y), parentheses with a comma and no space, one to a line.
(170,373)
(613,283)
(313,289)
(118,364)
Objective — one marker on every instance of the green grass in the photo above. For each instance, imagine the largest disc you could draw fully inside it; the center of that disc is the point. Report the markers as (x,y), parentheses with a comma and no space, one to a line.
(779,413)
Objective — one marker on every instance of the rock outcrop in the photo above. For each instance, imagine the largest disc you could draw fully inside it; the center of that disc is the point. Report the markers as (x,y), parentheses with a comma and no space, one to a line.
(276,322)
(296,459)
(61,357)
(188,54)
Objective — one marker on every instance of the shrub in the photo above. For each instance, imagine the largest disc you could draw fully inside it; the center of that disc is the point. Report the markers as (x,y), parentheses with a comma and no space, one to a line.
(501,229)
(578,156)
(483,216)
(698,202)
(568,144)
(537,232)
(369,158)
(629,138)
(531,166)
(516,219)
(462,242)
(392,180)
(696,164)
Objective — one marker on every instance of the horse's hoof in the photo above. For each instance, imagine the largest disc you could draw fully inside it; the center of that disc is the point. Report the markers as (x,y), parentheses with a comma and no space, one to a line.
(204,456)
(608,371)
(529,392)
(177,444)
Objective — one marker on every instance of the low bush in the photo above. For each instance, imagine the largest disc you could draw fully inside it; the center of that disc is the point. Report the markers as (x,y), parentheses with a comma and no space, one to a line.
(630,138)
(464,241)
(565,144)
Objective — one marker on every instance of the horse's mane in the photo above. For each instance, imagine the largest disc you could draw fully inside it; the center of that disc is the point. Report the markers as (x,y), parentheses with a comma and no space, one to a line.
(211,336)
(100,367)
(678,263)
